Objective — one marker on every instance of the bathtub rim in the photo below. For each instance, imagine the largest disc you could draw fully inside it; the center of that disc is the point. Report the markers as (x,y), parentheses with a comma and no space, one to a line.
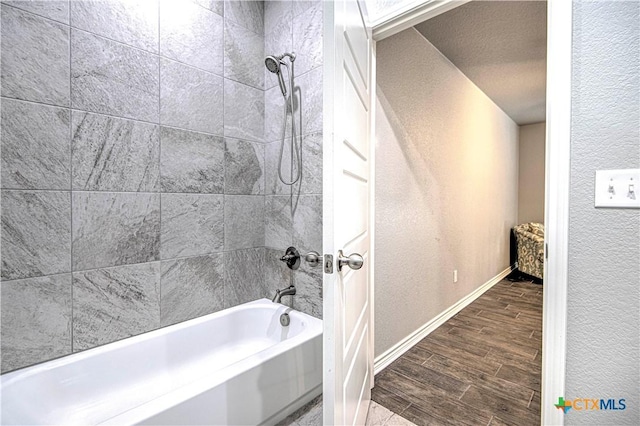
(313,329)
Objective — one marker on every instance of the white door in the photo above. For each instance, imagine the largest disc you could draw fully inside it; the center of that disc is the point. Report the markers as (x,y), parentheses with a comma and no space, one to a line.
(348,351)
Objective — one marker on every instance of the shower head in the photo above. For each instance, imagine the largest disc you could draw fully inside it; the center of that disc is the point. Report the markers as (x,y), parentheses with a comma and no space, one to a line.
(273,65)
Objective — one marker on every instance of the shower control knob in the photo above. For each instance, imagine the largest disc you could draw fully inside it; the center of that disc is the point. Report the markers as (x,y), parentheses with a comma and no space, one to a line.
(291,258)
(354,261)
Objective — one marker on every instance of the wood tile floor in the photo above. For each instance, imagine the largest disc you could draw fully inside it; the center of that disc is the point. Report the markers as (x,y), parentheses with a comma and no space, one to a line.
(482,367)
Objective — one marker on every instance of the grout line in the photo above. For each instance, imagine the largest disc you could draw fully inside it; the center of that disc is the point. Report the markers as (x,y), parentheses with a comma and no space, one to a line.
(225,290)
(79,271)
(11,281)
(142,192)
(206,8)
(490,420)
(404,409)
(465,391)
(140,49)
(160,172)
(425,361)
(531,399)
(9,98)
(13,6)
(499,368)
(159,29)
(136,120)
(71,181)
(261,34)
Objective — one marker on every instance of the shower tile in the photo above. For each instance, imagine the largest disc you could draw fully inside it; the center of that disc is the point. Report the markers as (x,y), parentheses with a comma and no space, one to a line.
(244,221)
(311,99)
(114,154)
(110,78)
(276,12)
(276,273)
(273,185)
(191,288)
(278,227)
(301,6)
(244,167)
(111,229)
(243,55)
(308,282)
(115,303)
(278,41)
(216,6)
(191,162)
(307,223)
(36,234)
(307,39)
(35,146)
(190,98)
(36,320)
(274,115)
(247,13)
(56,10)
(311,164)
(243,111)
(191,34)
(244,279)
(35,58)
(192,225)
(130,22)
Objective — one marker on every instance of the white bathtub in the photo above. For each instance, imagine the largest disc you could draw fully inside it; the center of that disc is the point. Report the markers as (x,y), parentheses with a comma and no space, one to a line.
(237,366)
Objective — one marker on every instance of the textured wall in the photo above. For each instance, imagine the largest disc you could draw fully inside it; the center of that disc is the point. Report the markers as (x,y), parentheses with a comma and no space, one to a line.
(502,47)
(293,214)
(531,173)
(446,186)
(603,321)
(133,167)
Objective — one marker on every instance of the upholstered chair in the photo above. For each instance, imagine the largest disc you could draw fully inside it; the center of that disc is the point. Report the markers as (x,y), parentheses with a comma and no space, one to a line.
(530,247)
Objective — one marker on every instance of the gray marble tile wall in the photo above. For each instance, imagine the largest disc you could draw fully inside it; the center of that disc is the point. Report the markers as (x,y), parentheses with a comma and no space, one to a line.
(293,214)
(133,168)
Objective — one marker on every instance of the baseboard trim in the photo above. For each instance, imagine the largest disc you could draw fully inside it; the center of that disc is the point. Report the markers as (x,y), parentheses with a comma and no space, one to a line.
(393,353)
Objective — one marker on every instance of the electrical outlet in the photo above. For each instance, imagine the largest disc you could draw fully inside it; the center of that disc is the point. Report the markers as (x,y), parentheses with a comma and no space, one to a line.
(455,275)
(618,188)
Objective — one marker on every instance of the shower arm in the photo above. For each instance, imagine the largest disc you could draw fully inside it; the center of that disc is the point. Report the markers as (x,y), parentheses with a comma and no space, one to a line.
(291,56)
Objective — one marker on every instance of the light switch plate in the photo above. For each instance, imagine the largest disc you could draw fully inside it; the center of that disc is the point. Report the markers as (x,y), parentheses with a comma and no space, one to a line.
(618,188)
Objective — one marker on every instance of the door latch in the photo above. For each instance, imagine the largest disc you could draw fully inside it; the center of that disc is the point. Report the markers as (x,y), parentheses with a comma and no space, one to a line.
(328,264)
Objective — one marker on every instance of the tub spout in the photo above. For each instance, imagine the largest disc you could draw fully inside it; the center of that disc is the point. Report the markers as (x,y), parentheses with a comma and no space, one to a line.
(289,291)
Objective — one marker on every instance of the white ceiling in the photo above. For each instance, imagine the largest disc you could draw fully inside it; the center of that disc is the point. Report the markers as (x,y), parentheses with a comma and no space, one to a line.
(502,47)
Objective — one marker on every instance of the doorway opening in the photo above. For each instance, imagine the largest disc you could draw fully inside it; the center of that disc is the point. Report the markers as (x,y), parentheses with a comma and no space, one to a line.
(460,124)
